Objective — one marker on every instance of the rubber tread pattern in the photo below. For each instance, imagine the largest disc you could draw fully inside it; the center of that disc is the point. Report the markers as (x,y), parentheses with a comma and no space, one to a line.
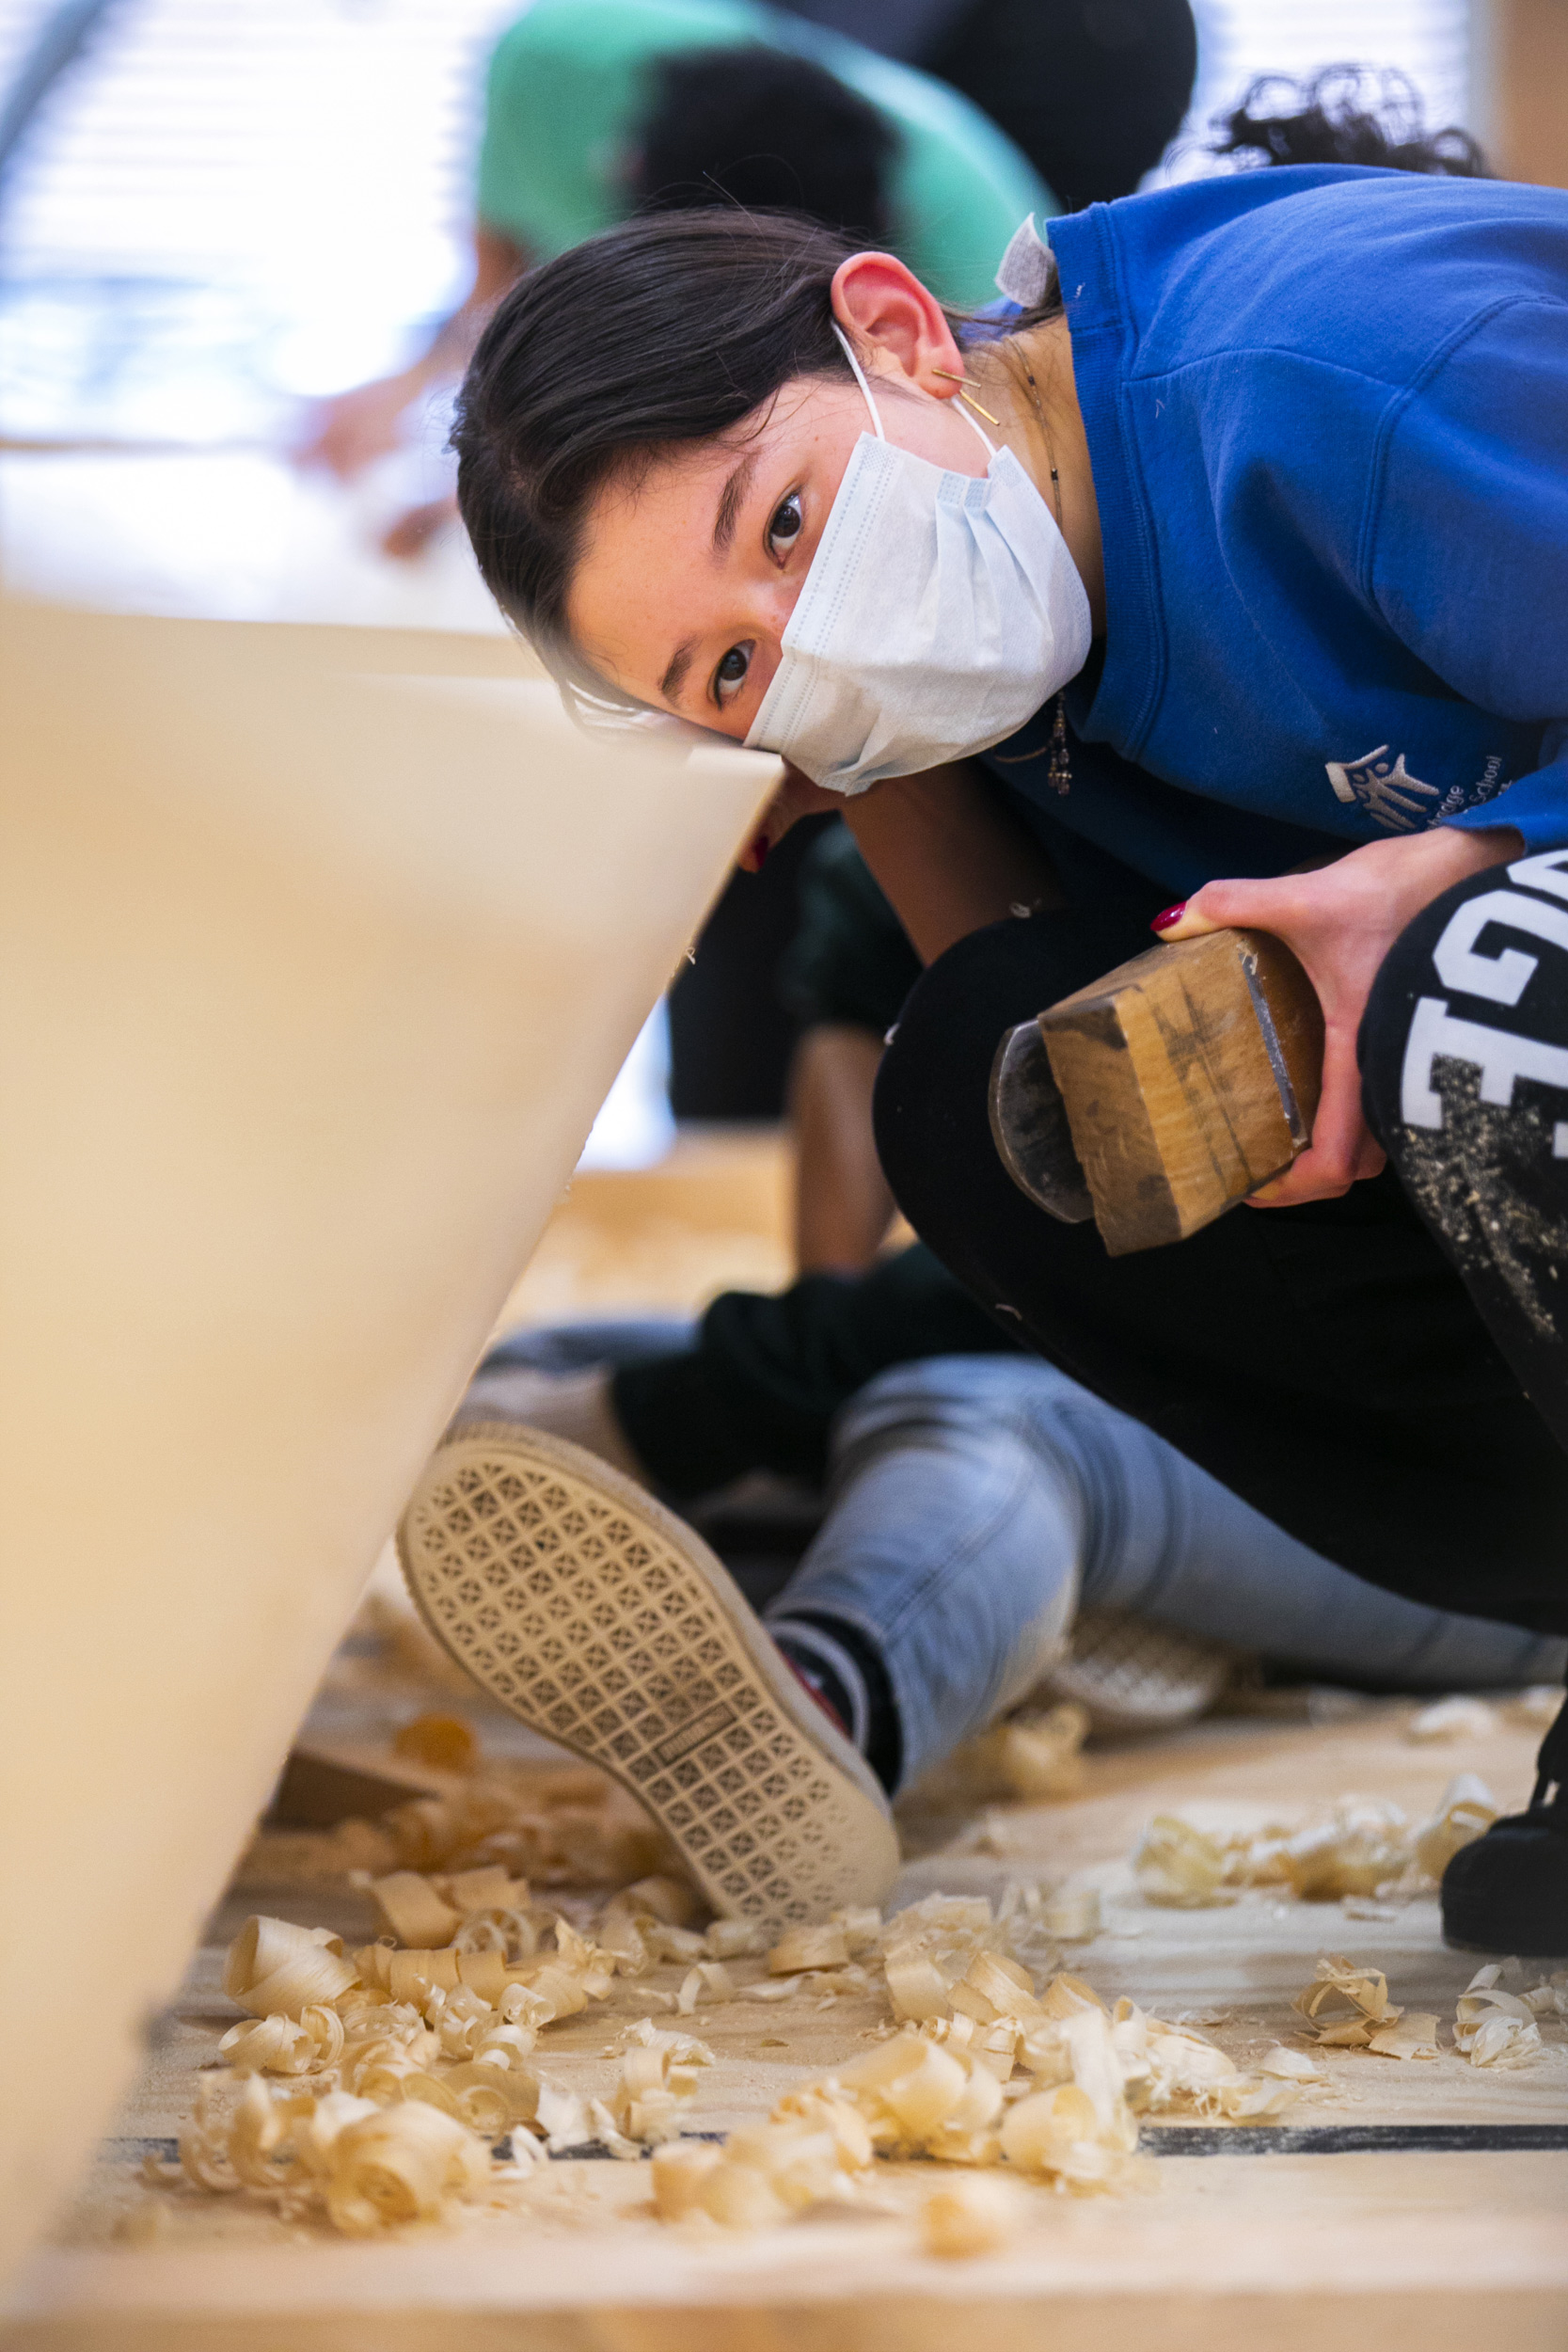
(1136,1673)
(596,1617)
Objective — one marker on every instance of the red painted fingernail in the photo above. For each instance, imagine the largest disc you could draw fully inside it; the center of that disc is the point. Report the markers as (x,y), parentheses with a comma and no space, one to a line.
(1171,915)
(759,848)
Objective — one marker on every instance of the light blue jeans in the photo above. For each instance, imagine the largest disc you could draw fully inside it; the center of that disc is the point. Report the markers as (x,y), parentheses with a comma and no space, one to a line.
(975,1501)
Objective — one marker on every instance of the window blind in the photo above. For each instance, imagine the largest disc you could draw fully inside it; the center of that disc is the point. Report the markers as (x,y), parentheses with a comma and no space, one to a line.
(226,202)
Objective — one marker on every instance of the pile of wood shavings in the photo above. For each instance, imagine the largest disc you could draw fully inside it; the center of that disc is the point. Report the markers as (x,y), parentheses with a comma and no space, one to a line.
(1361,1846)
(1046,2081)
(555,1826)
(1347,2006)
(373,2083)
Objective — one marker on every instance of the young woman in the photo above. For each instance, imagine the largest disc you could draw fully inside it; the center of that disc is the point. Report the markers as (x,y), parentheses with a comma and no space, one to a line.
(1264,494)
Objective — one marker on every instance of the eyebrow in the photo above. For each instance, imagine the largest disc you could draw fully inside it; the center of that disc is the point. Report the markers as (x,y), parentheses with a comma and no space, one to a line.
(730,499)
(674,677)
(729,504)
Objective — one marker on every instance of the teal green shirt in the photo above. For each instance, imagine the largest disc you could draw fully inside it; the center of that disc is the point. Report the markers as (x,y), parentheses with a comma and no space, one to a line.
(566,87)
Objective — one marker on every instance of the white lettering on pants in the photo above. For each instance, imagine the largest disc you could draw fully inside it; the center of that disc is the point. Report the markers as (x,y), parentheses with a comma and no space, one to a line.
(1500,1056)
(1503,978)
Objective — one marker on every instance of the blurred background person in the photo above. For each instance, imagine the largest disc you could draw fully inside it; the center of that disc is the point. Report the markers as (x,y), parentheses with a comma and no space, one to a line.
(1093,91)
(594,107)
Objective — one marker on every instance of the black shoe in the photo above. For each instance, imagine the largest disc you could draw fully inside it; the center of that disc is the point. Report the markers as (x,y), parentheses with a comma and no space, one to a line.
(1508,1892)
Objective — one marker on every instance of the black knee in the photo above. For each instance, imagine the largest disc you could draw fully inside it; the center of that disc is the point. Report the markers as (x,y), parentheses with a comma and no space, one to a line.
(1481,969)
(932,1120)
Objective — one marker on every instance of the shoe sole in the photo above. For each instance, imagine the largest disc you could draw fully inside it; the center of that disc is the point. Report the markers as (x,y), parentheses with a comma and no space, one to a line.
(1136,1676)
(600,1619)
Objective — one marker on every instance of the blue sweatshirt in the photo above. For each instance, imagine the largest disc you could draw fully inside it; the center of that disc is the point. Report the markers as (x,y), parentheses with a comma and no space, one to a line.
(1327,417)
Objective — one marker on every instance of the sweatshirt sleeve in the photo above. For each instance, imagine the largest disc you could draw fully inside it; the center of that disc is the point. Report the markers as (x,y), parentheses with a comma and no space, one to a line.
(1466,547)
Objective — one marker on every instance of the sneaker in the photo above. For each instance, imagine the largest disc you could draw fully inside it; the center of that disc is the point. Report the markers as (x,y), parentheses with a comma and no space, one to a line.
(1134,1676)
(1507,1892)
(601,1620)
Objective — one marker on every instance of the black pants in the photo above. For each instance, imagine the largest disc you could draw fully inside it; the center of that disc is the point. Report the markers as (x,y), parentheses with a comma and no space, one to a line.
(770,1369)
(1385,1375)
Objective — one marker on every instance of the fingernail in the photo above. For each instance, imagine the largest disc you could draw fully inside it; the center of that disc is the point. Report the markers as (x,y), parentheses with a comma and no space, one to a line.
(1171,915)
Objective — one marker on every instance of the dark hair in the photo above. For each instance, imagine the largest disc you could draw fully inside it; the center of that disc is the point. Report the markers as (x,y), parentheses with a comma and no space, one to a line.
(773,133)
(1092,90)
(1347,114)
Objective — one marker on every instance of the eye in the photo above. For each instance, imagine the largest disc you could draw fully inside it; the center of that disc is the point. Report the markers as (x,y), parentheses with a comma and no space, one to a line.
(787,523)
(731,674)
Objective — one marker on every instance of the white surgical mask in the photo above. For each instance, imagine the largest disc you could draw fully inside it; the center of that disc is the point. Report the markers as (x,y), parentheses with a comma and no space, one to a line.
(939,613)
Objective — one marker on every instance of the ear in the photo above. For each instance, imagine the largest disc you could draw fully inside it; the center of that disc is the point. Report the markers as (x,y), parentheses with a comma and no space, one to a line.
(897,327)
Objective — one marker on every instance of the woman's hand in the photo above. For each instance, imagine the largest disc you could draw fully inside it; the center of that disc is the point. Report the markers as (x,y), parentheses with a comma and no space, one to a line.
(797,797)
(1341,920)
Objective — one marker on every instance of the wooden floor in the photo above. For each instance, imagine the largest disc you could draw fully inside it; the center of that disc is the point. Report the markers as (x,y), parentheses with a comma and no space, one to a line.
(1416,2207)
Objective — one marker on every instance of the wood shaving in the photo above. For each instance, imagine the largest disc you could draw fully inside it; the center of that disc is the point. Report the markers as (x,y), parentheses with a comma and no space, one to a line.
(811,2152)
(1457,1718)
(709,1979)
(1359,1848)
(283,2045)
(1296,2066)
(808,1948)
(366,2168)
(861,1924)
(1414,2037)
(1549,1997)
(677,1944)
(275,1967)
(1179,1866)
(742,1939)
(659,2074)
(928,1948)
(1341,1984)
(1492,2027)
(1466,1811)
(413,1910)
(772,1989)
(974,2214)
(1071,1915)
(1034,1757)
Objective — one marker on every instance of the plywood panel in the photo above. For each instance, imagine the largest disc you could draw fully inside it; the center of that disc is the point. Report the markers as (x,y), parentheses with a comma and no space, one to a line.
(314,979)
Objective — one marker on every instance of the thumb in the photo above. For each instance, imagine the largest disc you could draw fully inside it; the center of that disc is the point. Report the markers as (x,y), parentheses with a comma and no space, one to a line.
(1185,920)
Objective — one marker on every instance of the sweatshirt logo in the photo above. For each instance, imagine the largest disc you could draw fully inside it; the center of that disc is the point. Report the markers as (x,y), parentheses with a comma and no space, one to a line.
(1390,796)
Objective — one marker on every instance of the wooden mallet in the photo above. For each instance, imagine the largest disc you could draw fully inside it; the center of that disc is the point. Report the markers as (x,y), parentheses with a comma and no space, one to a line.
(1158,1097)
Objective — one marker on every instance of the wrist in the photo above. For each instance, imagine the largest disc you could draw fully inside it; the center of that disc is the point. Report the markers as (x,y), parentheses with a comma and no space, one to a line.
(1460,850)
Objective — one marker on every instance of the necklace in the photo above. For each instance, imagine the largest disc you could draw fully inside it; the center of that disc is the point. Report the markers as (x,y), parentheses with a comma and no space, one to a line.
(1059,774)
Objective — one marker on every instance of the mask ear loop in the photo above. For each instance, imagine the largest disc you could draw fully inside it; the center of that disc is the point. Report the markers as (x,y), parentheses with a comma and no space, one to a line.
(860,379)
(986,441)
(976,426)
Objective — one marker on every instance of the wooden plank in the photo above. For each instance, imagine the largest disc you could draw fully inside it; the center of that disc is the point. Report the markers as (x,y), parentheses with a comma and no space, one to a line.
(1420,2206)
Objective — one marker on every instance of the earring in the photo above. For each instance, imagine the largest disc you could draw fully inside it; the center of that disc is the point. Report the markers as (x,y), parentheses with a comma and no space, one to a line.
(967,400)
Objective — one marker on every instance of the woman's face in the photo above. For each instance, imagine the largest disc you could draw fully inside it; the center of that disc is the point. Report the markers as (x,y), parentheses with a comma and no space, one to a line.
(691,571)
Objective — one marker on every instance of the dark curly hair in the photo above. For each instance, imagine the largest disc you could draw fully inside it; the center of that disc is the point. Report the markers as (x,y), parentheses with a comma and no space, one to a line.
(1347,114)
